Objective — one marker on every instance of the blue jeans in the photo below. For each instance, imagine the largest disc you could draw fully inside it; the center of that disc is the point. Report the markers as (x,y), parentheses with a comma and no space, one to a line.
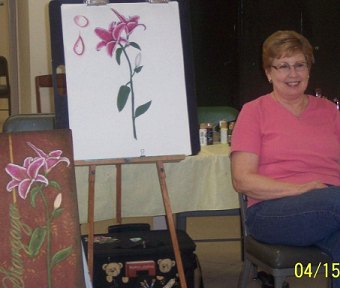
(312,218)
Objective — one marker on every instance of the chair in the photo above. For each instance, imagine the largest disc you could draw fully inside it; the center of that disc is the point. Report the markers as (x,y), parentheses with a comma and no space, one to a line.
(29,122)
(277,260)
(5,91)
(46,81)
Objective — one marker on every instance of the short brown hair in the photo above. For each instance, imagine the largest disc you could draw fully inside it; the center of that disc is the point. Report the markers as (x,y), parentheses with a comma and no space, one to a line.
(283,44)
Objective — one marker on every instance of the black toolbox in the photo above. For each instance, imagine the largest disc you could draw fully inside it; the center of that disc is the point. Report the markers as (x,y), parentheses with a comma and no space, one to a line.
(142,259)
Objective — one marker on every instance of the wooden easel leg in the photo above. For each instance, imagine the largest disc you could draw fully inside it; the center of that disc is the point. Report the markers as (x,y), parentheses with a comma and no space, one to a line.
(90,219)
(119,193)
(171,224)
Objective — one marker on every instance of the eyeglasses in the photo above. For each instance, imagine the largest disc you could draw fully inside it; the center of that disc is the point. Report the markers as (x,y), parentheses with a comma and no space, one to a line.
(285,67)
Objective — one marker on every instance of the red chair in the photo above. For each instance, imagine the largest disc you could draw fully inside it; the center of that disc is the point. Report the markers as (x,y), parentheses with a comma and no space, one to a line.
(46,81)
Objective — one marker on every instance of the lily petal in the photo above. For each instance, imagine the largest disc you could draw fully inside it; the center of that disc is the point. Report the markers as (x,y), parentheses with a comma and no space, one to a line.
(132,25)
(111,47)
(33,169)
(24,187)
(42,179)
(118,31)
(103,34)
(100,45)
(55,153)
(120,16)
(52,162)
(12,184)
(134,18)
(27,162)
(15,171)
(40,152)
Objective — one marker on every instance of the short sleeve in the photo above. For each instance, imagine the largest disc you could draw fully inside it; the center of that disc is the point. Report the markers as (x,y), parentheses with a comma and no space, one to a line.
(246,136)
(337,125)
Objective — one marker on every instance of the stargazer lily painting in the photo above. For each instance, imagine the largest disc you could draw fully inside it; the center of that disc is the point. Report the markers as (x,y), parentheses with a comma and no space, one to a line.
(126,85)
(40,243)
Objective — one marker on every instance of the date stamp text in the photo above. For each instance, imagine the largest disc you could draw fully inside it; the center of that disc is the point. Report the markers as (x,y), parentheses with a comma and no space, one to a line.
(321,269)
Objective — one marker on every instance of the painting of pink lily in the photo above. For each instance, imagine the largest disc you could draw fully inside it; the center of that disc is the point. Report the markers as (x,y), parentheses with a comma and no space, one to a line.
(37,215)
(116,40)
(33,171)
(126,85)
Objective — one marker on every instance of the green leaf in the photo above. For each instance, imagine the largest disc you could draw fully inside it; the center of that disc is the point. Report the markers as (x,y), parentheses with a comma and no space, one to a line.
(54,184)
(33,195)
(57,212)
(138,69)
(118,54)
(36,241)
(123,96)
(135,45)
(61,255)
(142,109)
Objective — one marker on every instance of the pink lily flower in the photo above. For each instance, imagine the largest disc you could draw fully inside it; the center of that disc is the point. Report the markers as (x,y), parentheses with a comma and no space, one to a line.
(51,159)
(129,23)
(111,37)
(24,176)
(117,32)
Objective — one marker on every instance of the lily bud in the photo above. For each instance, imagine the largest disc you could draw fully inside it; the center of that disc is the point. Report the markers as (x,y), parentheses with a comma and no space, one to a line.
(57,201)
(138,60)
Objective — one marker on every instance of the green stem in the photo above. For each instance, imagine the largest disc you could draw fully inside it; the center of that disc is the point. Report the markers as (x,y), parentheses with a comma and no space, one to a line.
(132,92)
(48,252)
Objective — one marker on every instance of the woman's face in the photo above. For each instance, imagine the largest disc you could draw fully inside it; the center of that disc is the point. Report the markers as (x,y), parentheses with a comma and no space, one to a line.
(289,76)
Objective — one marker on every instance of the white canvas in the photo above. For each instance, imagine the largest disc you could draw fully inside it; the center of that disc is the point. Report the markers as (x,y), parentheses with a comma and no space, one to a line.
(103,128)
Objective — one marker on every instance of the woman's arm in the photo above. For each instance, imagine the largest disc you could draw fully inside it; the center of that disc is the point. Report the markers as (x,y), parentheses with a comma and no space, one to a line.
(246,180)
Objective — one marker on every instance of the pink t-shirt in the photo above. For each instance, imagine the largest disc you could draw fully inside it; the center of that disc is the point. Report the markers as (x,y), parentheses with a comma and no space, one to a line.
(290,148)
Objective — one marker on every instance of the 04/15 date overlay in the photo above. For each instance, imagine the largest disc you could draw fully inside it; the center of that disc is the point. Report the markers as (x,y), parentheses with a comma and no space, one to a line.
(321,269)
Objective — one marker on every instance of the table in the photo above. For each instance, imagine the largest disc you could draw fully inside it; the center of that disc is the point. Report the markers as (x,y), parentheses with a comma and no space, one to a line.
(198,183)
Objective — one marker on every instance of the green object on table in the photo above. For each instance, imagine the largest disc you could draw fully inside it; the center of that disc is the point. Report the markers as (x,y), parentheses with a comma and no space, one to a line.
(214,114)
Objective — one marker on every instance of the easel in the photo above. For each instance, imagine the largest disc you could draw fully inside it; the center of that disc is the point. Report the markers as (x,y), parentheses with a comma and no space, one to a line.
(159,161)
(62,121)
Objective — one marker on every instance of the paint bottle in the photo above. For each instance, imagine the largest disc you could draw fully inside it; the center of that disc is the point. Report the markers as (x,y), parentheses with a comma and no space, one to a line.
(230,131)
(223,131)
(210,134)
(203,134)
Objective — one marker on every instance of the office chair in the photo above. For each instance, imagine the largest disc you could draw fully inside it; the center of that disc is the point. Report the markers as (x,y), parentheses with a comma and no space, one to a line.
(277,260)
(5,91)
(46,81)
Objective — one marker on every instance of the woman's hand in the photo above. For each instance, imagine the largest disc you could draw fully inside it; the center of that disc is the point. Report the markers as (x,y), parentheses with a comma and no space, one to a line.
(305,187)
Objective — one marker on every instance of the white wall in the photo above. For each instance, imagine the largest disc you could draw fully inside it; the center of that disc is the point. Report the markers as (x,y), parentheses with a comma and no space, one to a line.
(23,58)
(40,38)
(4,47)
(34,49)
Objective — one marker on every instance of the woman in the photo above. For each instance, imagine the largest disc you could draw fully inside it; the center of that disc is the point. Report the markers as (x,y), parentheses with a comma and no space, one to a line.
(286,154)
